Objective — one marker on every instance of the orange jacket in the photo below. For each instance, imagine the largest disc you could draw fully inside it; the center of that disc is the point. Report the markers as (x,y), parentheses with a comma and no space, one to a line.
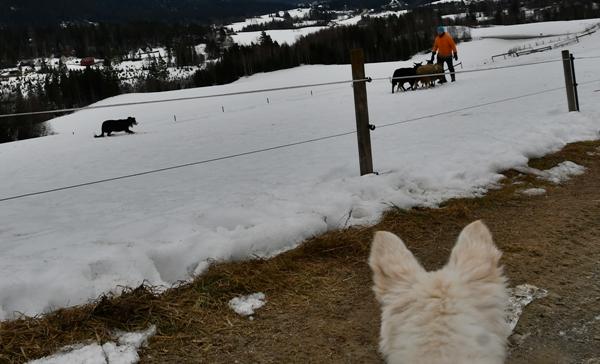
(445,44)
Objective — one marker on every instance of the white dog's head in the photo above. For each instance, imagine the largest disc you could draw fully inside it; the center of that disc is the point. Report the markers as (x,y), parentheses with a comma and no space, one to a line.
(455,315)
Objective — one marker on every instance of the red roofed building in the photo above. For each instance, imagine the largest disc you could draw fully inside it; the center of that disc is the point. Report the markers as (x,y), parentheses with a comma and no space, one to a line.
(87,61)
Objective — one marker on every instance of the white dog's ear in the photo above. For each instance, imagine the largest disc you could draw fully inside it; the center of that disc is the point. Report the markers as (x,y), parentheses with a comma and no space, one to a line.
(393,265)
(475,254)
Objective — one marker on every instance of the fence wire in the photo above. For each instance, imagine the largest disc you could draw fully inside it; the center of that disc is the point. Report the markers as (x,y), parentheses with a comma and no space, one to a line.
(484,104)
(260,91)
(479,70)
(470,107)
(271,148)
(485,69)
(185,98)
(176,167)
(588,57)
(280,146)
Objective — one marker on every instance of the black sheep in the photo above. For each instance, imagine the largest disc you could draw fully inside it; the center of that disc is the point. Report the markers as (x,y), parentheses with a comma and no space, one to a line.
(405,72)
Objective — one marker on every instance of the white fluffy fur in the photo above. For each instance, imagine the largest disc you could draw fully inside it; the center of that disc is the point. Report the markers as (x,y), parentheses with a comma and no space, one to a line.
(455,315)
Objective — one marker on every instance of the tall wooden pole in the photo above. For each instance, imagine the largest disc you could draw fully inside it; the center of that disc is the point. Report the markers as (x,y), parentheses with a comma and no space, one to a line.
(566,57)
(362,112)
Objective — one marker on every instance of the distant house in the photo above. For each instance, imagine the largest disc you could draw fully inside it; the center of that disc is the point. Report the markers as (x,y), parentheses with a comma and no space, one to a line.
(89,61)
(146,53)
(67,56)
(64,59)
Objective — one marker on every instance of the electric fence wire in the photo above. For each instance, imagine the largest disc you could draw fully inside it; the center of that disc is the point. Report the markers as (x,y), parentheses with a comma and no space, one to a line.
(185,98)
(257,91)
(587,57)
(477,70)
(284,145)
(470,107)
(174,167)
(270,148)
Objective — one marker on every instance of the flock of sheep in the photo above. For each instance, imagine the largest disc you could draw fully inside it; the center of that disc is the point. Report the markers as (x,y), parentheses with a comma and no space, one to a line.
(426,74)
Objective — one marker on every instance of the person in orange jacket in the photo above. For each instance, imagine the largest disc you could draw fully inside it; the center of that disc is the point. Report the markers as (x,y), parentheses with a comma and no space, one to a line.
(444,45)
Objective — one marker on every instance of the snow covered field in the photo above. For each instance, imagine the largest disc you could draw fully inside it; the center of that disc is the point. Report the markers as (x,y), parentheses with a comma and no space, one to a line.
(536,30)
(227,187)
(288,36)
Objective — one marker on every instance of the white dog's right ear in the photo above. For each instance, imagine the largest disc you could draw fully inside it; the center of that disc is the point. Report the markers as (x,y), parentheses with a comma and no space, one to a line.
(393,265)
(475,254)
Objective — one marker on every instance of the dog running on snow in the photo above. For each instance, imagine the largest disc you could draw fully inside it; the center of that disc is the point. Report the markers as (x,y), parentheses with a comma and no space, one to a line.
(455,315)
(111,126)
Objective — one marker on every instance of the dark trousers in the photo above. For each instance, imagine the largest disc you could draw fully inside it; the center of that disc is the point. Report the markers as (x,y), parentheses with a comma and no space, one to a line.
(448,60)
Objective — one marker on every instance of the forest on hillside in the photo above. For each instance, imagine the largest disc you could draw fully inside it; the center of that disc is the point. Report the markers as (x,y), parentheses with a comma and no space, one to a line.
(382,40)
(32,13)
(102,40)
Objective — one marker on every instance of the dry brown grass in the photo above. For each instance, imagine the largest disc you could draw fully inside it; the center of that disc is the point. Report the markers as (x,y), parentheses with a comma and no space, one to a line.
(194,312)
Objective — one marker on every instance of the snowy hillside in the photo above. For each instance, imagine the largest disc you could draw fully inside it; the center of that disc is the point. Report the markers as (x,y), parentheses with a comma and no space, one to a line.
(251,174)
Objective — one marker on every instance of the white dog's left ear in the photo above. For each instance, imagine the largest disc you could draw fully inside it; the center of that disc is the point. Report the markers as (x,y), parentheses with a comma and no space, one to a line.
(475,254)
(393,265)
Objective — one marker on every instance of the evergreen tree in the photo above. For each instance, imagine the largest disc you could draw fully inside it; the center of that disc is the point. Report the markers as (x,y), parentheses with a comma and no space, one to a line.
(212,49)
(158,69)
(23,127)
(265,39)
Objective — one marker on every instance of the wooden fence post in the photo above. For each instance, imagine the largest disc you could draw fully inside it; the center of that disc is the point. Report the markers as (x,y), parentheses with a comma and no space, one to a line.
(362,112)
(566,58)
